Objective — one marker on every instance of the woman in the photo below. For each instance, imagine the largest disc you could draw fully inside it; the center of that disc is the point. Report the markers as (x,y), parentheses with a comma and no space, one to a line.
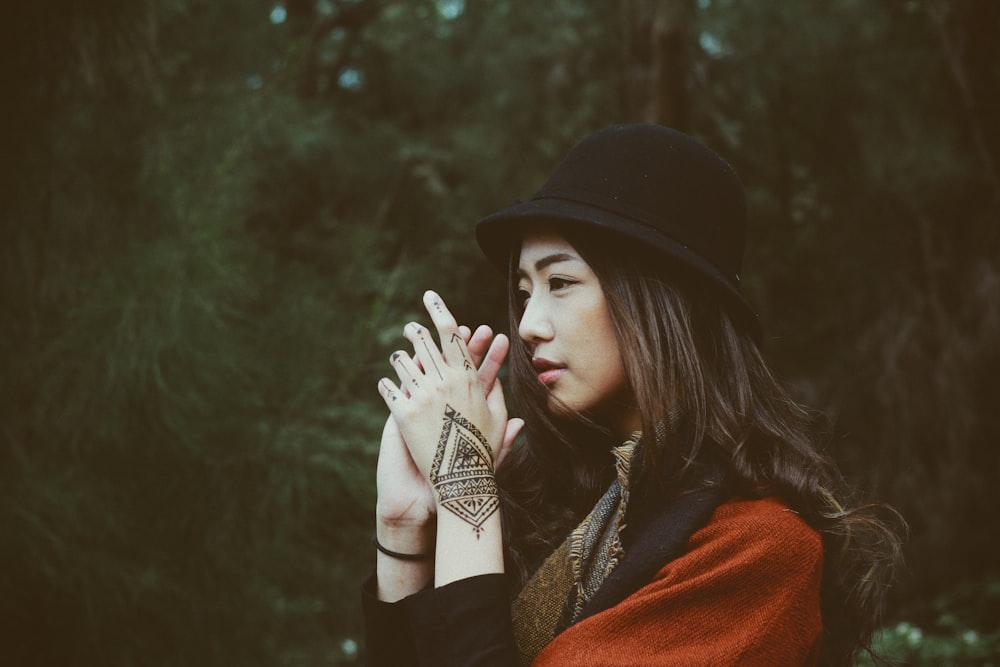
(666,505)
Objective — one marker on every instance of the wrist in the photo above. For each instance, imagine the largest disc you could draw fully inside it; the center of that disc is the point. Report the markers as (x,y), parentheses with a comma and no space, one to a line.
(399,555)
(397,577)
(466,549)
(472,500)
(474,515)
(406,537)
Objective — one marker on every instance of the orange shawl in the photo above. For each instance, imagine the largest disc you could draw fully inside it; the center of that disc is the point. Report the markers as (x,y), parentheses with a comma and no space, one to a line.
(746,592)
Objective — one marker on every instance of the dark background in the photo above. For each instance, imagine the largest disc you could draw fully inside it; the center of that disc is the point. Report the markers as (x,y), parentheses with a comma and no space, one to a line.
(217,214)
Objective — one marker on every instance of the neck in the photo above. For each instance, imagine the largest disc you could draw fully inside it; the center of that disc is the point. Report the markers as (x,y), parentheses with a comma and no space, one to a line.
(625,423)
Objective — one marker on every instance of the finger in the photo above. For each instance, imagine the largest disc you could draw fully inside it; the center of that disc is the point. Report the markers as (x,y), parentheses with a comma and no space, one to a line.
(392,448)
(465,332)
(391,428)
(495,400)
(453,347)
(514,427)
(425,350)
(390,393)
(479,343)
(420,364)
(488,353)
(409,375)
(489,370)
(416,358)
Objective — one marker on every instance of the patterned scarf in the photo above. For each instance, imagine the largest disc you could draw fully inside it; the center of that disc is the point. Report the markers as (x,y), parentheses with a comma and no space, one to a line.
(554,596)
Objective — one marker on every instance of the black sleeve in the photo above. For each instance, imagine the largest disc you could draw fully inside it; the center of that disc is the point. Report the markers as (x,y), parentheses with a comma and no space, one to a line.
(388,636)
(464,624)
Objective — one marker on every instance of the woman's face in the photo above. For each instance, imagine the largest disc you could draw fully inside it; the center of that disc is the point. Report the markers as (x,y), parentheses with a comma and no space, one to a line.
(566,325)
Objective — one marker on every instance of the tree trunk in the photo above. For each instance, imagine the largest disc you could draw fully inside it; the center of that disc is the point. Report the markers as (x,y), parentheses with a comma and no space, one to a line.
(657,58)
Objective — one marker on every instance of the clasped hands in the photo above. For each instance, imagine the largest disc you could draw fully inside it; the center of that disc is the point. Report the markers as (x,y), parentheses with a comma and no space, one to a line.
(448,425)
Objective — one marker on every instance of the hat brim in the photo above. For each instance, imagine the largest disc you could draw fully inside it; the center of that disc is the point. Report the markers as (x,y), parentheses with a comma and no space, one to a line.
(500,233)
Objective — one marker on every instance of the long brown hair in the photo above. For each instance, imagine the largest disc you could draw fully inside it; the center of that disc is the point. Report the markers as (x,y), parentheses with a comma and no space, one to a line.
(694,368)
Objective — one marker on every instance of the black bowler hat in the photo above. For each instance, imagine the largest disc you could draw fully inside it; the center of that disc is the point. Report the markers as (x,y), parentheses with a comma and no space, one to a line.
(653,185)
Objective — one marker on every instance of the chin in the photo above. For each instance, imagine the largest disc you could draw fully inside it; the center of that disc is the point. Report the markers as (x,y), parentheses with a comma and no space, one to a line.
(565,409)
(559,408)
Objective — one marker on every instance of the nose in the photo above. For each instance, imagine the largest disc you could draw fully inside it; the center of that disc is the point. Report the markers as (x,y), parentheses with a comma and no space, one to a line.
(535,325)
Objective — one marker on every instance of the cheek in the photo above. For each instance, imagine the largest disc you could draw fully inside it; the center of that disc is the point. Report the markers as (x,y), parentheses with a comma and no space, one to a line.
(612,378)
(607,356)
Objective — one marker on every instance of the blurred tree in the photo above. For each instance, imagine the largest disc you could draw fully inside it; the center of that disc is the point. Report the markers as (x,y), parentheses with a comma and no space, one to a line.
(217,208)
(876,260)
(660,48)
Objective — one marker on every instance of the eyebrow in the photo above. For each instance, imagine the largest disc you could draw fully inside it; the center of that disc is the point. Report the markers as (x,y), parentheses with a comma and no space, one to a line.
(547,261)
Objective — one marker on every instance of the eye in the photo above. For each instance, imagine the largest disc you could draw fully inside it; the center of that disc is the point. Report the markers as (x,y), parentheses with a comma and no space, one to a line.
(521,299)
(556,283)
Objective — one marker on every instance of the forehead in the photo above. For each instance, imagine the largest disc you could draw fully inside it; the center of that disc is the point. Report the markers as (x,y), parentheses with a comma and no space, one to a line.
(541,242)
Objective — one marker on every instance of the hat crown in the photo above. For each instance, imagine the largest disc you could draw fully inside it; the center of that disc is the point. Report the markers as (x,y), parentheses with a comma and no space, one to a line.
(661,178)
(649,186)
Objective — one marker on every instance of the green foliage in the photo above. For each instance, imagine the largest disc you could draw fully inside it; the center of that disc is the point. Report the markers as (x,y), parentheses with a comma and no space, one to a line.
(209,267)
(959,629)
(218,216)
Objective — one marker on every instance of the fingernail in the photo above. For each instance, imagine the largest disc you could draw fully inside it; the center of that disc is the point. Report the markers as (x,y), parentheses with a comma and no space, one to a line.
(395,355)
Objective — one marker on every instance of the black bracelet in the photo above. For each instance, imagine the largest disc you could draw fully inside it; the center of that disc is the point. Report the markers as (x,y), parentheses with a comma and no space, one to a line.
(396,554)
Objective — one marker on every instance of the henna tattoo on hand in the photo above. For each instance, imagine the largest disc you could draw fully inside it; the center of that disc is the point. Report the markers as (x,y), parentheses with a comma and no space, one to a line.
(393,396)
(455,338)
(403,369)
(423,339)
(462,471)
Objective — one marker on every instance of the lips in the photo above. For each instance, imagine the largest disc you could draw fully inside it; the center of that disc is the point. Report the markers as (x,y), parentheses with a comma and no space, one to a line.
(548,371)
